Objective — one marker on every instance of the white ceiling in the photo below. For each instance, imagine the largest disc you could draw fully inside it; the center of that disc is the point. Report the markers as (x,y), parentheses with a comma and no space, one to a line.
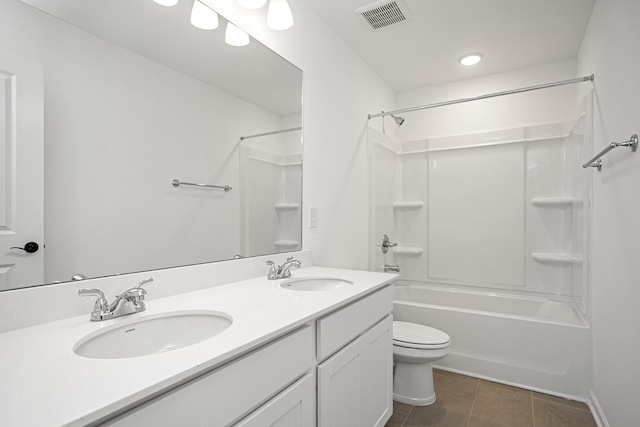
(425,50)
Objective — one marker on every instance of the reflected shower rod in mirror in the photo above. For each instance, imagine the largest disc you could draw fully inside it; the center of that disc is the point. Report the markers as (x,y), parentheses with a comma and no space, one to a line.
(275,132)
(177,183)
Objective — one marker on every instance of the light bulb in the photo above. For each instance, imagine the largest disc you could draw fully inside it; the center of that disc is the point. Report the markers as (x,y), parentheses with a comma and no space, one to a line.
(470,59)
(279,15)
(252,4)
(203,17)
(166,2)
(234,36)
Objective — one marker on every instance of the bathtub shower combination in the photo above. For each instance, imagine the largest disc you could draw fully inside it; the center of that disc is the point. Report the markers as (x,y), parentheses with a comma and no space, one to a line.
(492,234)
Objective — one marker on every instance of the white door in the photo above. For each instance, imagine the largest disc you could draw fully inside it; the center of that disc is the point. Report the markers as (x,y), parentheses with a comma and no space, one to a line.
(21,172)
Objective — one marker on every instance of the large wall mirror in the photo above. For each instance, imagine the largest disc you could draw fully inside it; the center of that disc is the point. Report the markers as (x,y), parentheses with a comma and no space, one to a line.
(120,98)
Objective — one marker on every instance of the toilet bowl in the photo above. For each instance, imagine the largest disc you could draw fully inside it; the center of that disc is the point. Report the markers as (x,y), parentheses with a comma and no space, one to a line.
(415,347)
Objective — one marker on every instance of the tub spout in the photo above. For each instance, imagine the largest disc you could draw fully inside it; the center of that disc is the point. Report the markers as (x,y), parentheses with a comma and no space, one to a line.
(391,268)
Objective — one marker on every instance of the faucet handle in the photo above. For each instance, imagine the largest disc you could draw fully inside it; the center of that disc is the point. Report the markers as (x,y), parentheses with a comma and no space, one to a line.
(144,282)
(273,270)
(101,302)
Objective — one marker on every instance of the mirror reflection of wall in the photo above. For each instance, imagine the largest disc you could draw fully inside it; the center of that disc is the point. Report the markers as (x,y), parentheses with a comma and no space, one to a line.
(271,178)
(119,127)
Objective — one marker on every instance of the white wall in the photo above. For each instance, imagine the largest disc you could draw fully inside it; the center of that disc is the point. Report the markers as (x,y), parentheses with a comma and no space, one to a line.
(339,91)
(610,51)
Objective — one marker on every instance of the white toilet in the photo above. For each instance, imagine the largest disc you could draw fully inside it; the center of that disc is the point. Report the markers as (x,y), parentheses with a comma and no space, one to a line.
(414,348)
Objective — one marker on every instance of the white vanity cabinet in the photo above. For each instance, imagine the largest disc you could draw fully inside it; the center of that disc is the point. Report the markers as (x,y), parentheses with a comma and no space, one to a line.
(278,384)
(355,382)
(223,396)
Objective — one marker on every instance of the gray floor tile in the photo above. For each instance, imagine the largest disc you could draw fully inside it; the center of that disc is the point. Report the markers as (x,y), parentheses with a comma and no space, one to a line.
(560,401)
(448,381)
(396,420)
(402,408)
(481,422)
(450,410)
(503,404)
(547,414)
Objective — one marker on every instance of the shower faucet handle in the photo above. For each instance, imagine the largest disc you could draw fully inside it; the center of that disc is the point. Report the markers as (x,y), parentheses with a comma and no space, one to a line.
(386,244)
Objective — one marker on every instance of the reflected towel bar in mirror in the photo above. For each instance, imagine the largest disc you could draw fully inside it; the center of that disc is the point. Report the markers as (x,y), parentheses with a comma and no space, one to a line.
(177,183)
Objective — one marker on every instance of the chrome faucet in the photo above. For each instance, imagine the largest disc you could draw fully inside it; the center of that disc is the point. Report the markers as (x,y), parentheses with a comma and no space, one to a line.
(129,302)
(282,271)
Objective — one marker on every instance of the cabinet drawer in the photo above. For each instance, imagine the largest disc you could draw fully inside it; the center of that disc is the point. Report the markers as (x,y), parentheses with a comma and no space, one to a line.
(231,391)
(342,326)
(294,407)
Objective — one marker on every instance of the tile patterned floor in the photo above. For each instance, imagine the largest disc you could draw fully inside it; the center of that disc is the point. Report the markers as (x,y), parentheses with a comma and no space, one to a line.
(464,401)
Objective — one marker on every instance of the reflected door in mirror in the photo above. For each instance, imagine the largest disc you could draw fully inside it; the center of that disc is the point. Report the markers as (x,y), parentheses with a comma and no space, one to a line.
(21,176)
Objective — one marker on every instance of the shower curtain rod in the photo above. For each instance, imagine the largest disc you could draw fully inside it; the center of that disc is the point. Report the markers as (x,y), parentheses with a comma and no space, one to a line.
(275,132)
(490,95)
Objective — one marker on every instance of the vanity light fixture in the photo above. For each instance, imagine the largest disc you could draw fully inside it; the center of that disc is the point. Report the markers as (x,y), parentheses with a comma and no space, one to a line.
(234,36)
(279,16)
(203,17)
(166,2)
(252,4)
(470,59)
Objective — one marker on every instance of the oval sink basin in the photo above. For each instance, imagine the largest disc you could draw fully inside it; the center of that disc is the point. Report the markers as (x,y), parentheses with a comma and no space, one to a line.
(315,283)
(153,334)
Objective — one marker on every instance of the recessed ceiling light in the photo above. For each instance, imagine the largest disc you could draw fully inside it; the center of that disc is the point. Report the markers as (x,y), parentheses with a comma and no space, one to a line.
(470,59)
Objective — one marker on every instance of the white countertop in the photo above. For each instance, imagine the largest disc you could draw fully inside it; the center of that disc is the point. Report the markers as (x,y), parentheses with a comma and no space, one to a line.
(43,382)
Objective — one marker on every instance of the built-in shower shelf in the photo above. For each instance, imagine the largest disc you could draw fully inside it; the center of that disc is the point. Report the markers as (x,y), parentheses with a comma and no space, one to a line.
(287,206)
(556,257)
(560,202)
(407,250)
(287,243)
(408,205)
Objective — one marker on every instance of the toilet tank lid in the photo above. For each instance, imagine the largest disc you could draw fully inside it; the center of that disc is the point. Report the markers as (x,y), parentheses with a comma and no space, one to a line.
(418,334)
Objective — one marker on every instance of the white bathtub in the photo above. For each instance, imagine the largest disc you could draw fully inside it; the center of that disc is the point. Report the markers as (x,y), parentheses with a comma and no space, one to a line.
(525,341)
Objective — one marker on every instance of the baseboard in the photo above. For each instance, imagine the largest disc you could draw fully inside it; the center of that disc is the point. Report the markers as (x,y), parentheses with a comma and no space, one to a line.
(596,411)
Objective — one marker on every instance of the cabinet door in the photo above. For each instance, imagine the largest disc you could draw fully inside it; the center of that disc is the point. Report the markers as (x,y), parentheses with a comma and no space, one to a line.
(377,379)
(294,407)
(354,385)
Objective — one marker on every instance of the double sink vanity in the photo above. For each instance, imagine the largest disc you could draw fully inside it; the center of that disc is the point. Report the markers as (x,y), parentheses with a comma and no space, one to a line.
(312,349)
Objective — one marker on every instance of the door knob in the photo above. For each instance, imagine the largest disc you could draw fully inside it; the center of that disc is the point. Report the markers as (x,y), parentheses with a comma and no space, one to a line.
(29,247)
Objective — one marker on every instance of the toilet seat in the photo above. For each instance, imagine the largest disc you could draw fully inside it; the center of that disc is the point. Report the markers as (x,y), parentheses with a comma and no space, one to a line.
(413,335)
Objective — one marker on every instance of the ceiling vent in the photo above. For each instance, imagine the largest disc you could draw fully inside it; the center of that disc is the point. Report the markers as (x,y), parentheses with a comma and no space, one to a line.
(384,14)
